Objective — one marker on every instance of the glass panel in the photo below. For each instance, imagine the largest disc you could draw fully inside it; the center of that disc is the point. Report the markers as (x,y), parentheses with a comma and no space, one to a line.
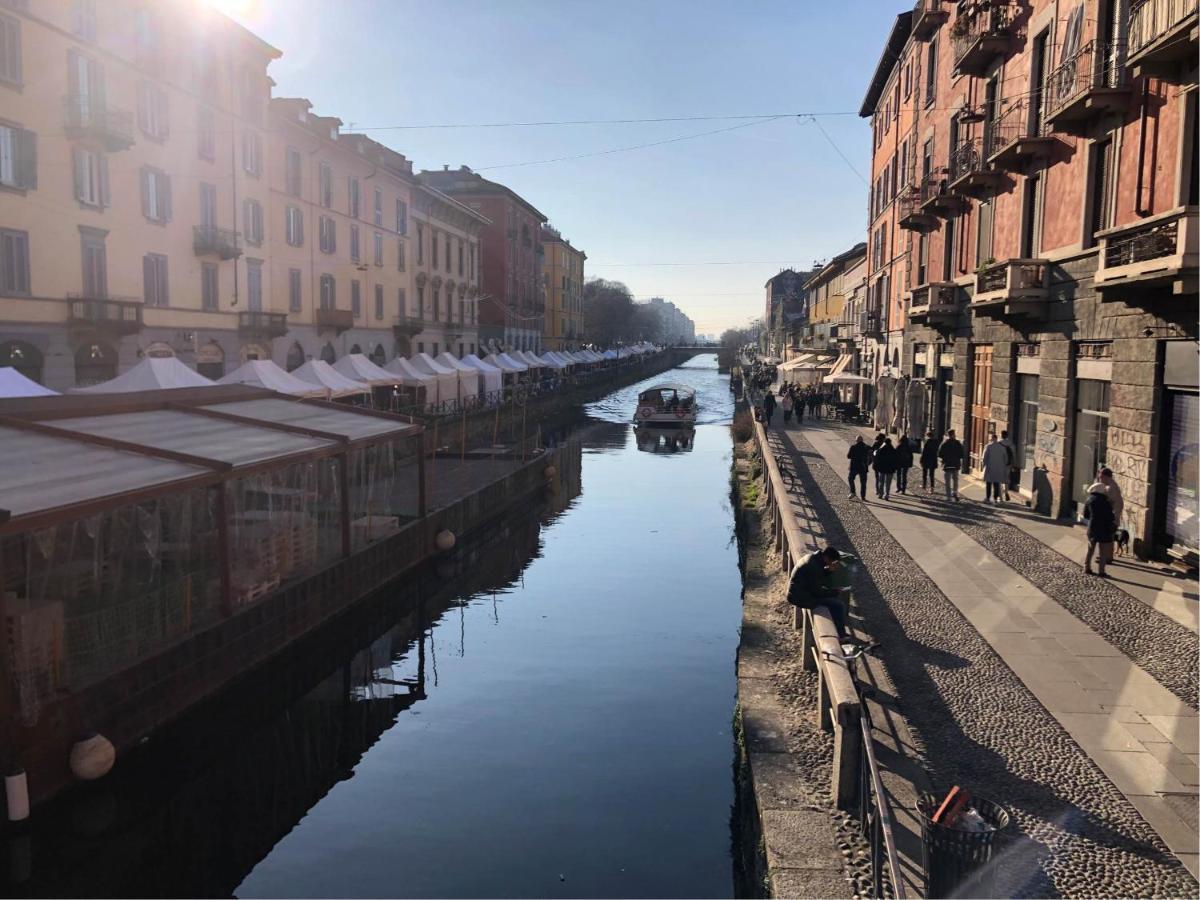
(1091,434)
(1183,472)
(1027,415)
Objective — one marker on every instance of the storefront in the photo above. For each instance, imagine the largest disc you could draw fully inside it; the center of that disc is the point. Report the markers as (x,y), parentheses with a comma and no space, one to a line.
(1024,417)
(1093,397)
(1177,519)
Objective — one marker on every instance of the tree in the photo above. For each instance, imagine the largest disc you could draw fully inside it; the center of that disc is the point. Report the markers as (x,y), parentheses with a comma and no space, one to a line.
(607,310)
(645,324)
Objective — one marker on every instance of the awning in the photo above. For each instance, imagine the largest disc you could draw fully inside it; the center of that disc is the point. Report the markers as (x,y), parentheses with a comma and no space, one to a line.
(265,374)
(493,378)
(322,374)
(358,367)
(14,384)
(447,379)
(409,376)
(154,373)
(506,365)
(470,379)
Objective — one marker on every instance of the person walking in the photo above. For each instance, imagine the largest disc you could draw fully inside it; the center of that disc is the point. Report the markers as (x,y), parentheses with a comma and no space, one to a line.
(809,586)
(1101,529)
(859,455)
(1113,491)
(904,462)
(875,445)
(886,462)
(1014,471)
(768,407)
(951,455)
(785,403)
(995,469)
(799,408)
(929,461)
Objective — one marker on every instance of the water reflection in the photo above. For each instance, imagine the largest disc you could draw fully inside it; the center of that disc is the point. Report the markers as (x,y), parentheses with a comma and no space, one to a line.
(665,440)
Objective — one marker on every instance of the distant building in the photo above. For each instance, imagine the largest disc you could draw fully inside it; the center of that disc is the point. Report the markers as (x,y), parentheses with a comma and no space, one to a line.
(826,296)
(676,327)
(512,306)
(562,266)
(786,309)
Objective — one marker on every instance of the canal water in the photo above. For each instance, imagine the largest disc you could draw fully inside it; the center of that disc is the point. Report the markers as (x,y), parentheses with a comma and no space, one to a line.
(546,715)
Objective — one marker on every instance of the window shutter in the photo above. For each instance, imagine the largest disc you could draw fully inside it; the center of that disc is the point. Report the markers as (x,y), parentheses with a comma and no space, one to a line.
(80,169)
(149,282)
(10,49)
(25,148)
(96,75)
(102,166)
(161,272)
(73,72)
(144,177)
(164,197)
(164,121)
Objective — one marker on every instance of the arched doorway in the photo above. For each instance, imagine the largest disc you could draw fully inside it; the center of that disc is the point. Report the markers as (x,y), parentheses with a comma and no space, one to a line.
(210,360)
(255,351)
(379,355)
(95,363)
(158,350)
(328,354)
(356,349)
(404,347)
(25,358)
(295,357)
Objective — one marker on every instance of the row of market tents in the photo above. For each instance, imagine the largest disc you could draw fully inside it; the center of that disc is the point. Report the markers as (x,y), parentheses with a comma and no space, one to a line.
(434,382)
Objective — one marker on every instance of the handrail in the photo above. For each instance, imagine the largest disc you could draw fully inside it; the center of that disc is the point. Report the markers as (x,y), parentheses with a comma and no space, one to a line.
(881,825)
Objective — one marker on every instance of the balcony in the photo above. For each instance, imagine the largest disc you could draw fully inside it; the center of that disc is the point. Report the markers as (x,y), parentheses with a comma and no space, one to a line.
(1012,287)
(936,200)
(928,16)
(980,37)
(85,118)
(1014,140)
(911,216)
(106,314)
(872,325)
(970,173)
(1159,252)
(338,320)
(1162,36)
(934,304)
(1089,85)
(407,326)
(208,240)
(256,324)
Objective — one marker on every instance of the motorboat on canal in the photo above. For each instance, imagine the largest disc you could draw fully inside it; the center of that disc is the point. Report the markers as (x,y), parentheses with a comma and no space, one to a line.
(666,406)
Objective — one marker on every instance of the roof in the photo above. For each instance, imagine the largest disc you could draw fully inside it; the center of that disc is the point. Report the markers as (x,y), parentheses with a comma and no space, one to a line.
(835,265)
(671,386)
(887,61)
(465,181)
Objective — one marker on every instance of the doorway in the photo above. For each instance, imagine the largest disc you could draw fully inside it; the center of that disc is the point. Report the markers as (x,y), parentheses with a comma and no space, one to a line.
(1092,399)
(981,402)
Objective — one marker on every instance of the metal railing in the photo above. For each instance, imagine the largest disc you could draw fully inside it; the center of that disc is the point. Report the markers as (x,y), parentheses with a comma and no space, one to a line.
(1150,20)
(970,156)
(1143,243)
(209,240)
(1095,66)
(969,31)
(121,315)
(1012,124)
(269,324)
(84,115)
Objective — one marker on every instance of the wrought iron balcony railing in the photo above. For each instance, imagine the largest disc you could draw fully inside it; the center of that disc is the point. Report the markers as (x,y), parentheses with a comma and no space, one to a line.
(1161,251)
(970,172)
(120,316)
(1016,136)
(208,240)
(1012,281)
(1088,84)
(1161,35)
(84,117)
(980,36)
(928,16)
(262,324)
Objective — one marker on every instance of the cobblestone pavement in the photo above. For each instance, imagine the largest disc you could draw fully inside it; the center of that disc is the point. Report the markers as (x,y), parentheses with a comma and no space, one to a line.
(977,724)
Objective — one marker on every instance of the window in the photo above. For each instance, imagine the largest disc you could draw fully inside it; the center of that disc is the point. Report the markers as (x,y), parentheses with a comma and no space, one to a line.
(460,258)
(328,292)
(14,262)
(420,245)
(152,111)
(294,290)
(931,73)
(145,30)
(156,195)
(83,19)
(254,290)
(10,50)
(400,256)
(292,165)
(18,158)
(328,234)
(401,302)
(447,248)
(379,302)
(420,346)
(1100,189)
(1031,238)
(437,305)
(433,244)
(379,207)
(154,279)
(326,176)
(472,262)
(401,216)
(250,89)
(293,221)
(209,286)
(355,298)
(353,196)
(420,300)
(907,79)
(208,205)
(206,131)
(95,262)
(252,150)
(983,244)
(354,242)
(252,213)
(378,249)
(91,177)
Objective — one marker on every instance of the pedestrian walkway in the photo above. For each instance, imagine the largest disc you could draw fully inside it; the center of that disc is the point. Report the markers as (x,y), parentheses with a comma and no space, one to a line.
(1138,733)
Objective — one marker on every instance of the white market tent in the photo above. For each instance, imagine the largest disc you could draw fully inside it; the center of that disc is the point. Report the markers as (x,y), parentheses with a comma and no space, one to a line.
(847,378)
(593,356)
(408,375)
(154,373)
(14,384)
(562,358)
(520,366)
(322,374)
(447,379)
(493,378)
(530,359)
(506,365)
(265,374)
(359,367)
(609,354)
(550,362)
(470,379)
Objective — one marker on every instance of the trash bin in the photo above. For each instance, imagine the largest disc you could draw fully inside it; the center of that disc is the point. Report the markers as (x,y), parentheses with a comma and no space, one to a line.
(952,855)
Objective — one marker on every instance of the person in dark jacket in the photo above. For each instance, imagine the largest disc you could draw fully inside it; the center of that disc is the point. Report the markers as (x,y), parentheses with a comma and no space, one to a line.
(951,455)
(1101,529)
(904,462)
(929,461)
(887,460)
(768,407)
(859,455)
(880,437)
(809,585)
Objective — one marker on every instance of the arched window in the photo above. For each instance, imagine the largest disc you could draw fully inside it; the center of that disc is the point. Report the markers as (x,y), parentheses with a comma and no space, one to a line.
(25,358)
(328,354)
(356,349)
(95,363)
(210,360)
(295,357)
(379,355)
(896,357)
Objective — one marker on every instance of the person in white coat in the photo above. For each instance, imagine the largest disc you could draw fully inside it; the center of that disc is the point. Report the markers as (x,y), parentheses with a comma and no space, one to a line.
(995,469)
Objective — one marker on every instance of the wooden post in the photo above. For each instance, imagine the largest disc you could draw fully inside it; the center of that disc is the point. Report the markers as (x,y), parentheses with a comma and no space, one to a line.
(847,762)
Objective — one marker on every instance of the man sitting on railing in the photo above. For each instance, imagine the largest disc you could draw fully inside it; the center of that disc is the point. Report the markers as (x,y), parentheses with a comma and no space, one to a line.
(812,585)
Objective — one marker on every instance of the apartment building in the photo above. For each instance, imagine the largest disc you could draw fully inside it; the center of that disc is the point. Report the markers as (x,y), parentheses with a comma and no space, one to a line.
(512,301)
(675,327)
(133,186)
(786,312)
(1032,241)
(826,291)
(562,266)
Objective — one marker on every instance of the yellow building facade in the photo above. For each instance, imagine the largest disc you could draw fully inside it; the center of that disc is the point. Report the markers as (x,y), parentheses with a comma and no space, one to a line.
(562,269)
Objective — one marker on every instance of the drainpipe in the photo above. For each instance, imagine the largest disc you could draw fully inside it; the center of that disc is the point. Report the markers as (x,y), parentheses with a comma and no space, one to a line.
(1140,208)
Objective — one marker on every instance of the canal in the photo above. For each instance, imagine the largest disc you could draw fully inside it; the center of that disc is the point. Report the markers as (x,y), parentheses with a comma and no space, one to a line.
(547,713)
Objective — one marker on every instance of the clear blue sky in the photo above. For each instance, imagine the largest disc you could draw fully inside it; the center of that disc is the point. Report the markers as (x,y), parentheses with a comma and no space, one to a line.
(772,194)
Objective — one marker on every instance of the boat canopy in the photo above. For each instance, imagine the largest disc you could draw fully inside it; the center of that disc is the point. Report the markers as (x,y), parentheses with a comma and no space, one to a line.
(681,389)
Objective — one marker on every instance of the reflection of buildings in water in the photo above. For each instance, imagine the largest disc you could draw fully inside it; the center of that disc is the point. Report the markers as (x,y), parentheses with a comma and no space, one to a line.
(665,440)
(192,812)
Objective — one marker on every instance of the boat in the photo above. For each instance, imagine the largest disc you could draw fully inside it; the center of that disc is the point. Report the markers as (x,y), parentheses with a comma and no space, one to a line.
(657,439)
(666,405)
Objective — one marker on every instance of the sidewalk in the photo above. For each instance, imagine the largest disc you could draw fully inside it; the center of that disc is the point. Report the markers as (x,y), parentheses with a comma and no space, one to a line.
(1139,734)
